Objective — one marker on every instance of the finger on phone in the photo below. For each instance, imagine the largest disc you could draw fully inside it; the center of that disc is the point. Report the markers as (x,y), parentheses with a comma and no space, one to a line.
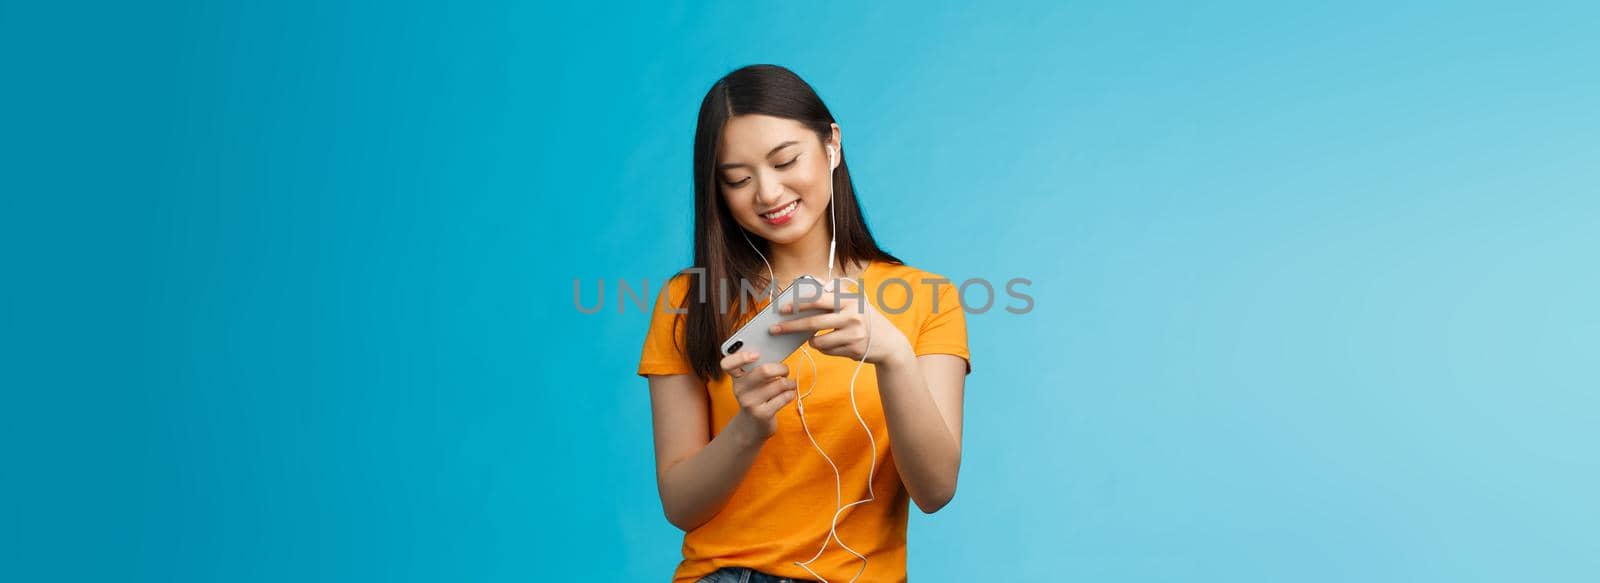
(738,359)
(813,323)
(826,303)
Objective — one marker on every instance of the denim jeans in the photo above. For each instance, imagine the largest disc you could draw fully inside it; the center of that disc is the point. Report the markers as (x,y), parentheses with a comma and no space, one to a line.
(745,575)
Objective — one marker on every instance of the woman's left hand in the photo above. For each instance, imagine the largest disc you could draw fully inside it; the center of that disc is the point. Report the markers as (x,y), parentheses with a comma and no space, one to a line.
(852,322)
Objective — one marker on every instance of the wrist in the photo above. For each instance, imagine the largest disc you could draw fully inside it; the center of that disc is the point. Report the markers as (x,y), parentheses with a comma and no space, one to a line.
(746,431)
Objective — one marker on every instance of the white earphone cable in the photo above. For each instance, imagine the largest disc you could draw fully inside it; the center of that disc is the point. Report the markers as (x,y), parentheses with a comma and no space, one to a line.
(800,407)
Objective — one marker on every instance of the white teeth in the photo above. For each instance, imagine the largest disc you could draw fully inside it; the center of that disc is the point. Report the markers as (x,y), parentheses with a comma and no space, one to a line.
(783,212)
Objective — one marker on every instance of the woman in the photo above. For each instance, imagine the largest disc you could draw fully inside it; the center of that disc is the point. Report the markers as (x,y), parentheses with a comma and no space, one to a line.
(766,491)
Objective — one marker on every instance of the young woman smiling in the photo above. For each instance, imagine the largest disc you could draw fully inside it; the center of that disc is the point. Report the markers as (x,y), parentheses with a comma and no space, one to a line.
(766,491)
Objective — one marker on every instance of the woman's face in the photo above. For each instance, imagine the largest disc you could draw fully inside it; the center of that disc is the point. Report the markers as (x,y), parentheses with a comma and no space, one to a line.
(774,176)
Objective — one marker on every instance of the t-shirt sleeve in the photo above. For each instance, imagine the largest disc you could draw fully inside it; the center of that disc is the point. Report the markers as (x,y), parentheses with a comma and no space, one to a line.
(944,331)
(663,352)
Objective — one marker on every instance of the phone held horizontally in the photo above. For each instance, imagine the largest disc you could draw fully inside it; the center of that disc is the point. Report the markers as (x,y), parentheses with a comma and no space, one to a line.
(754,335)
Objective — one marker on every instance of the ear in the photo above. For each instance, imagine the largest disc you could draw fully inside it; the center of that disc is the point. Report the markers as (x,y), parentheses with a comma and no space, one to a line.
(835,148)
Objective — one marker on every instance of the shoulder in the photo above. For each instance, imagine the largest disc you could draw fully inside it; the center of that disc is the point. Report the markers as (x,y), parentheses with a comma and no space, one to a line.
(677,286)
(670,305)
(671,308)
(901,288)
(664,350)
(926,306)
(910,274)
(921,282)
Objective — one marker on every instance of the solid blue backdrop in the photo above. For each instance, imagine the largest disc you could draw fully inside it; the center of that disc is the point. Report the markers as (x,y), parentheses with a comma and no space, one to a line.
(289,287)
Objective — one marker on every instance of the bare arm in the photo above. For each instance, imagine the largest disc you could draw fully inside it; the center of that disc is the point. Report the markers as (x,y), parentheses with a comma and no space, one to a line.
(922,405)
(696,474)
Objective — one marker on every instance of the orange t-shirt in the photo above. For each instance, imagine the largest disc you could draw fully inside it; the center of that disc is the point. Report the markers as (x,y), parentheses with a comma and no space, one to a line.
(779,513)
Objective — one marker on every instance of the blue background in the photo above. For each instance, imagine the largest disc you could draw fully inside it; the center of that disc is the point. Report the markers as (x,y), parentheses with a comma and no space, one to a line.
(289,286)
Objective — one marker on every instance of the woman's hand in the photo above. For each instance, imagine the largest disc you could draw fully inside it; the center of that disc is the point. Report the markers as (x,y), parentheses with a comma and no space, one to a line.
(761,392)
(852,322)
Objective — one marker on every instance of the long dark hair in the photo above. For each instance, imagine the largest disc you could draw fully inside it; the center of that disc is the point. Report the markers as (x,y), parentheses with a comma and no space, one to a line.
(719,245)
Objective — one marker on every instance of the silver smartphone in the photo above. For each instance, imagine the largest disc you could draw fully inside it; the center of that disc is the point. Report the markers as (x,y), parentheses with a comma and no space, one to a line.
(754,336)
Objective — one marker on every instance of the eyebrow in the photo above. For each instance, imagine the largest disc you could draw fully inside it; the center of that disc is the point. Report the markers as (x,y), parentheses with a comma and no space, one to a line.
(774,150)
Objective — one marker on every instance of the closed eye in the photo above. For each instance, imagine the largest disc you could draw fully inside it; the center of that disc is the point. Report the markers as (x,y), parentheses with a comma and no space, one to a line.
(740,183)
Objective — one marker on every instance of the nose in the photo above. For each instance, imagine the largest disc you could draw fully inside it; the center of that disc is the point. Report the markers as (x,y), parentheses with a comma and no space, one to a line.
(771,189)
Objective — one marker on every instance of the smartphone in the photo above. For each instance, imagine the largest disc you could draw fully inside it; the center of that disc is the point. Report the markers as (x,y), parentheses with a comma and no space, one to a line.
(754,336)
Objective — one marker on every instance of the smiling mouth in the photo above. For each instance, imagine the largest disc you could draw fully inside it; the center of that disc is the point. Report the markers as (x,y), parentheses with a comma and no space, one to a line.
(782,213)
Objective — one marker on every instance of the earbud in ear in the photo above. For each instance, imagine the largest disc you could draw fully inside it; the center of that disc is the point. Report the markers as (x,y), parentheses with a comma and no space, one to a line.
(831,156)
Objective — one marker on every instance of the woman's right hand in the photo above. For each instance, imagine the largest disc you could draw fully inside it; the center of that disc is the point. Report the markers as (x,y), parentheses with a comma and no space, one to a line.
(762,392)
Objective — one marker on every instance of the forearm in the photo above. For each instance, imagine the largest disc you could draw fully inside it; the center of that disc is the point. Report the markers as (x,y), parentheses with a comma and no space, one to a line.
(695,489)
(925,450)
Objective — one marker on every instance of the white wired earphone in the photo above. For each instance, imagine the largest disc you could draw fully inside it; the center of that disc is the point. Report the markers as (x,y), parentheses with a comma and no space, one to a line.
(800,402)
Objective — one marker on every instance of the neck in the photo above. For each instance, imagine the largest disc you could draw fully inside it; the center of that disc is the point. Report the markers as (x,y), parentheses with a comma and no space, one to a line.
(807,256)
